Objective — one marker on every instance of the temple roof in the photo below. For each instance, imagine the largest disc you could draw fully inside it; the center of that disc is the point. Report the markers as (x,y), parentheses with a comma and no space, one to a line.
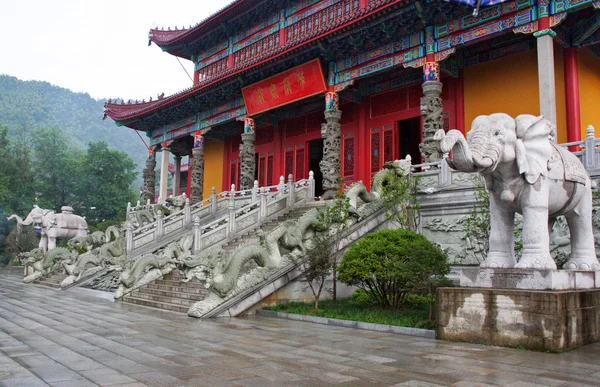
(166,39)
(129,114)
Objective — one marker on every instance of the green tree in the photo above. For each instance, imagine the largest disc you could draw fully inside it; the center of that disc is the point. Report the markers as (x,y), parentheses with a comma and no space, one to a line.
(57,167)
(334,219)
(390,264)
(400,200)
(104,188)
(316,266)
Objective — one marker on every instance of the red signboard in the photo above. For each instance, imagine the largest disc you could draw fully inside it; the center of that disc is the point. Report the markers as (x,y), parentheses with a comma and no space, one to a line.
(289,86)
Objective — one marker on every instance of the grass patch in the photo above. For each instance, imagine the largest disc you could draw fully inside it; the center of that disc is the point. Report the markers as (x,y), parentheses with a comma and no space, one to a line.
(413,316)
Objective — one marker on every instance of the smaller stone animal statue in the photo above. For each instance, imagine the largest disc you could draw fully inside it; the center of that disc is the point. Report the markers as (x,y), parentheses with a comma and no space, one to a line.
(177,202)
(526,172)
(54,226)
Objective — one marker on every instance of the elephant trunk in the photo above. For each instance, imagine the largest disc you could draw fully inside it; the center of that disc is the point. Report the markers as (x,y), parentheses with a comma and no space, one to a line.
(462,157)
(27,222)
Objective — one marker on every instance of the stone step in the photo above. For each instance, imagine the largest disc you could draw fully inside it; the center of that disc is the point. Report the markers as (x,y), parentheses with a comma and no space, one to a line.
(55,285)
(197,296)
(177,289)
(167,299)
(132,299)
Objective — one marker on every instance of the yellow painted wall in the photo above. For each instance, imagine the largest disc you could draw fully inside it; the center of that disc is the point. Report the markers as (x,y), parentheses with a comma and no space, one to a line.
(510,85)
(589,90)
(213,166)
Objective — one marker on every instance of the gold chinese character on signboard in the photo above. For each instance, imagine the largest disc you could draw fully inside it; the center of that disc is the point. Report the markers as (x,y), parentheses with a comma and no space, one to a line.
(273,89)
(300,76)
(287,87)
(259,96)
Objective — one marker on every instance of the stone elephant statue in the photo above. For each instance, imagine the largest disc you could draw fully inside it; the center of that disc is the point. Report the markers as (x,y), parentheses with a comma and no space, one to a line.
(525,171)
(65,225)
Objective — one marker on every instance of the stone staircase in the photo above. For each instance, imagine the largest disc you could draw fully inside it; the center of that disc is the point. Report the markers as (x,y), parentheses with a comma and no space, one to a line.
(52,280)
(169,293)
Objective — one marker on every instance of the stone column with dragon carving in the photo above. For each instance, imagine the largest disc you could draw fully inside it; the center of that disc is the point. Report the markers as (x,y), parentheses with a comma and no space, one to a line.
(150,175)
(197,161)
(432,108)
(331,132)
(247,158)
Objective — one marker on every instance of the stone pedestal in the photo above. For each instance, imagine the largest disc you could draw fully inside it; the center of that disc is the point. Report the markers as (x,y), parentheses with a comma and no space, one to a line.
(542,320)
(474,277)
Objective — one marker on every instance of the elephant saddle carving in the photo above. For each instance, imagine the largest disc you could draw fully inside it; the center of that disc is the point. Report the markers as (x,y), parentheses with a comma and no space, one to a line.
(573,169)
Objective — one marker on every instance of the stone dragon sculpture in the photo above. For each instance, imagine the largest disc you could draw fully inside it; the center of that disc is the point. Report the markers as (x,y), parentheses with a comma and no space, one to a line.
(154,266)
(88,242)
(372,200)
(44,263)
(110,254)
(223,280)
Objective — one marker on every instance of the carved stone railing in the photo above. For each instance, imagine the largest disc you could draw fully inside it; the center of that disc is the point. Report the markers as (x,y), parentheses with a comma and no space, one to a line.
(221,216)
(268,203)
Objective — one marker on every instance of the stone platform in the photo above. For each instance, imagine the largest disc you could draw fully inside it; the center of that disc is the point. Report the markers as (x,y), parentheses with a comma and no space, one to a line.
(475,277)
(545,320)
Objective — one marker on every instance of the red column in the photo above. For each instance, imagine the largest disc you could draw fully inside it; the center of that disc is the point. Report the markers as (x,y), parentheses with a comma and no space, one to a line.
(363,4)
(363,154)
(196,77)
(278,155)
(572,94)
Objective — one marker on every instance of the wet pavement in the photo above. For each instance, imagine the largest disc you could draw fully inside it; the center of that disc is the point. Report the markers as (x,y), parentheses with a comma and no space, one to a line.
(71,338)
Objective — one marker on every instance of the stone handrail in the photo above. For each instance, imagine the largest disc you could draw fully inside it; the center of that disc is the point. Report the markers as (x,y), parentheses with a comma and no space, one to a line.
(236,211)
(271,202)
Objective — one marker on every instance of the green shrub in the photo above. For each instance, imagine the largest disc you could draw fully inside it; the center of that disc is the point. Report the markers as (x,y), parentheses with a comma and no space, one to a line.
(390,264)
(360,297)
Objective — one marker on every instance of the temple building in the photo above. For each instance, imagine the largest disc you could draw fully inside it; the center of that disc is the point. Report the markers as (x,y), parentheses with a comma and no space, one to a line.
(339,87)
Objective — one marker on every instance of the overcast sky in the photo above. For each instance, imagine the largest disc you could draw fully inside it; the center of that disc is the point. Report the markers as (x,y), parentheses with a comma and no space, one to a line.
(97,47)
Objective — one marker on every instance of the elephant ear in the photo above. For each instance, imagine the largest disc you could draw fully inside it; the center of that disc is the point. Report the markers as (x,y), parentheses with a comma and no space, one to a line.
(533,148)
(50,216)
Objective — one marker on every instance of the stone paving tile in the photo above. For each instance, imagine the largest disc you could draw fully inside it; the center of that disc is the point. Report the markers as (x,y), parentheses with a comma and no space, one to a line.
(68,338)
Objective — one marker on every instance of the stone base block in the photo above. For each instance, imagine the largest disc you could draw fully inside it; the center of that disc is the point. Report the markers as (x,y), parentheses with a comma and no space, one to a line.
(475,277)
(534,319)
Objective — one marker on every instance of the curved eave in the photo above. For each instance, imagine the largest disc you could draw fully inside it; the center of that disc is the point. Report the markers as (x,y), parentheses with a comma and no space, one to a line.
(130,114)
(170,40)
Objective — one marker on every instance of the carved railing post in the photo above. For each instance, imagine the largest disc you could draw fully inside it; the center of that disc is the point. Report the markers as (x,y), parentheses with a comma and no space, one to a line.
(445,176)
(589,153)
(197,235)
(263,204)
(160,228)
(231,208)
(187,211)
(311,186)
(255,192)
(281,187)
(213,201)
(331,132)
(129,237)
(291,191)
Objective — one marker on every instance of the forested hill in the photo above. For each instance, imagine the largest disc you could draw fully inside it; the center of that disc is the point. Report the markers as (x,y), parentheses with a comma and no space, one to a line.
(28,105)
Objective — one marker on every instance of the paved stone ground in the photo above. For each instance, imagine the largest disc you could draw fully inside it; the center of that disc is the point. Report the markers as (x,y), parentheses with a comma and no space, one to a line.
(48,337)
